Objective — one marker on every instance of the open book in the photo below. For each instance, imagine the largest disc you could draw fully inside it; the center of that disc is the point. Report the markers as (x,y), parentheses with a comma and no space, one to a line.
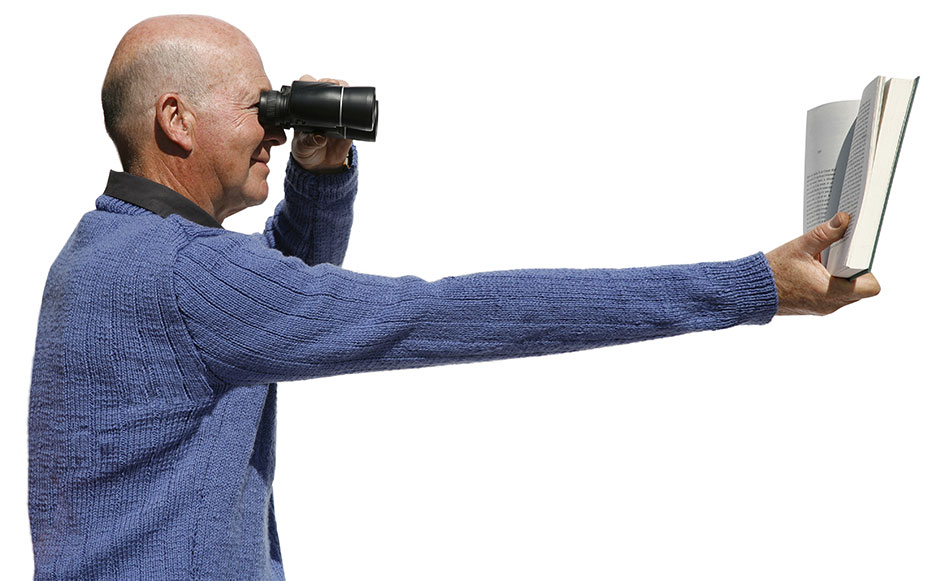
(851,150)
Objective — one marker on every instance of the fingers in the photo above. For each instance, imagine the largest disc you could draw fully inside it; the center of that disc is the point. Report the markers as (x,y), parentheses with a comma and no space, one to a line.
(805,286)
(309,149)
(310,79)
(334,81)
(318,152)
(867,286)
(863,287)
(843,292)
(824,235)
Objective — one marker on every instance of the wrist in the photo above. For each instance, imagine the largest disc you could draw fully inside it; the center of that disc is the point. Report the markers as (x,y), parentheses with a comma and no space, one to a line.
(328,186)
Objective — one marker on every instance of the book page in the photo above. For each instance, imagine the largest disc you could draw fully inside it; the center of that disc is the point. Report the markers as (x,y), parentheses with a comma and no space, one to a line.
(859,164)
(827,143)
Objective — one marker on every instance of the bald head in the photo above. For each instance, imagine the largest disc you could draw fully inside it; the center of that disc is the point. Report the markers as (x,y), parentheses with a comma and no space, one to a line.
(186,55)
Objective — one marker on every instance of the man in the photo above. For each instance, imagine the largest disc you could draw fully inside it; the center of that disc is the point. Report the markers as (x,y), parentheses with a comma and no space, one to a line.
(161,334)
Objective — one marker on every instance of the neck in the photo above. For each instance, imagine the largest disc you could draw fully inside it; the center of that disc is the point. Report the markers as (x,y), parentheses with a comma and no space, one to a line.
(170,174)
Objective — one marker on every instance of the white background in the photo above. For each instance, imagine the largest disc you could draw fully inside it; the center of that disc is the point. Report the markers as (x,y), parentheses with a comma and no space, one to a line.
(516,134)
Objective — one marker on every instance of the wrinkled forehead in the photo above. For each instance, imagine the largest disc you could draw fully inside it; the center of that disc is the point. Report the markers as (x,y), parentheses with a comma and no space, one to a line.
(237,72)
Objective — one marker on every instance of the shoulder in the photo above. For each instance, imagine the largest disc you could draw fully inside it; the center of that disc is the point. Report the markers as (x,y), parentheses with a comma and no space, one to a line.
(229,255)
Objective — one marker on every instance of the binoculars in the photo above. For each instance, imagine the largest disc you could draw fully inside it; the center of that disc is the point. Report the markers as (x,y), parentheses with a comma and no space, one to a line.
(323,108)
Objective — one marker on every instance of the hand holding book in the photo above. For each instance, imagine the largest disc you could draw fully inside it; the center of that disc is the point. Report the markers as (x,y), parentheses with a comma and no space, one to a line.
(851,151)
(805,287)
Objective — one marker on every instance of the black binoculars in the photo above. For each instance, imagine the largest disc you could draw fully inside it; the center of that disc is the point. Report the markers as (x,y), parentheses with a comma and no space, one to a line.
(323,108)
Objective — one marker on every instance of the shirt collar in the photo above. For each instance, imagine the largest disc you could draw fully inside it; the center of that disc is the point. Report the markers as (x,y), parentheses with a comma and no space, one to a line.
(156,198)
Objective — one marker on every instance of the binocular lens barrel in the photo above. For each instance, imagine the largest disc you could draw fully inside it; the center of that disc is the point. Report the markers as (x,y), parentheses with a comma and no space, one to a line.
(325,108)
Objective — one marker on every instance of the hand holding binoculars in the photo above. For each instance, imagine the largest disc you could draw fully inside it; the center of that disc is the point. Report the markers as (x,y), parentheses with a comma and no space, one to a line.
(323,108)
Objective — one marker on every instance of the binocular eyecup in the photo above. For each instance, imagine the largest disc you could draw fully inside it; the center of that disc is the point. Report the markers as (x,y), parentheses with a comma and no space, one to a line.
(323,108)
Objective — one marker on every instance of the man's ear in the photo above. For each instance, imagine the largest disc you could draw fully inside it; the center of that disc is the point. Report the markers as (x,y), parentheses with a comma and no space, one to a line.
(174,123)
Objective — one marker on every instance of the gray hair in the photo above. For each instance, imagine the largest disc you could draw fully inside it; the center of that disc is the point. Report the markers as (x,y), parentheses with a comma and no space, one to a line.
(131,89)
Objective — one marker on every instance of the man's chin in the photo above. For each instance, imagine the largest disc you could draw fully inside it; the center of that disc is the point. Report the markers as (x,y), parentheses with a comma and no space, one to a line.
(260,172)
(259,196)
(256,191)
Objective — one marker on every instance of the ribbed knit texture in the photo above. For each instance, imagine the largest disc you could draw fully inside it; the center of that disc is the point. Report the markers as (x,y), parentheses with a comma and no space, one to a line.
(153,400)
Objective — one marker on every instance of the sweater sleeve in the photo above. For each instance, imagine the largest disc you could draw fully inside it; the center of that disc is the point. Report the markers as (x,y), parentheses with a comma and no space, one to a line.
(257,316)
(313,220)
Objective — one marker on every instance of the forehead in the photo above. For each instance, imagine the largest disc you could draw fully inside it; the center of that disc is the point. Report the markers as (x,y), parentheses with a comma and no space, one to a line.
(251,87)
(240,78)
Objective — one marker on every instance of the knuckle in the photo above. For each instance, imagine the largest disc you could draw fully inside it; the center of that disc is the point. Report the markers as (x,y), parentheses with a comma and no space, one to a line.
(821,235)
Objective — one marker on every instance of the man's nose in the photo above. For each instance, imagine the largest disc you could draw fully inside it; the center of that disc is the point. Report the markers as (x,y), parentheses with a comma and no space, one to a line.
(275,135)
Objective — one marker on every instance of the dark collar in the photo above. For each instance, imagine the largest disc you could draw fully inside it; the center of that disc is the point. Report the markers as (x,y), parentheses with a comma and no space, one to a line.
(156,198)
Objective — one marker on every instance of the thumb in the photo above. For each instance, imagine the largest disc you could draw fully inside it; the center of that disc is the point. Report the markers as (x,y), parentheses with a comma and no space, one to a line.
(824,235)
(307,145)
(312,140)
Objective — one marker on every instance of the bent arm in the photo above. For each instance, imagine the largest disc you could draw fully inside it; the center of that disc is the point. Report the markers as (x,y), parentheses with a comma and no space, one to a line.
(313,220)
(257,316)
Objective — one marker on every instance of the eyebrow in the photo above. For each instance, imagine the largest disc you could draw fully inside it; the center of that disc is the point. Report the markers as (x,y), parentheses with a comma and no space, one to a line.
(254,96)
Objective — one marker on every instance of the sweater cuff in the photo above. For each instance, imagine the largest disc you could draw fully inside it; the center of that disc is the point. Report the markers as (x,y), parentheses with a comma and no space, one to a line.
(324,187)
(747,289)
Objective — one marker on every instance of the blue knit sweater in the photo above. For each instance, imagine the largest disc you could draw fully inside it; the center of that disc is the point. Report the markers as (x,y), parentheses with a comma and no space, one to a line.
(160,341)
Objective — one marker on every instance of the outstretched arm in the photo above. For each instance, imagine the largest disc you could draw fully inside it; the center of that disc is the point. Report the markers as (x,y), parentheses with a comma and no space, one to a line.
(258,316)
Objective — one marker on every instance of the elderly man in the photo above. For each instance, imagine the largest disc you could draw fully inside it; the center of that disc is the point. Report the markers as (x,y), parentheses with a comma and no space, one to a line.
(161,333)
